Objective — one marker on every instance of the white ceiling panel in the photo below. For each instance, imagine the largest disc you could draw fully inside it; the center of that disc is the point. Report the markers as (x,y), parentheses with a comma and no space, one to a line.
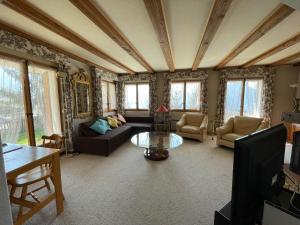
(186,21)
(280,55)
(66,13)
(132,19)
(287,28)
(31,27)
(242,17)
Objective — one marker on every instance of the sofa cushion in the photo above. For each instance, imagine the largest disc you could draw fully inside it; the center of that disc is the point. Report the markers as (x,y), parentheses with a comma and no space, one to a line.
(116,132)
(231,137)
(194,119)
(246,125)
(99,127)
(190,129)
(112,122)
(121,118)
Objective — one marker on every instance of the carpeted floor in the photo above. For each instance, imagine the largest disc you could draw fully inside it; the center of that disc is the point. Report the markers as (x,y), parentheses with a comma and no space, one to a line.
(126,189)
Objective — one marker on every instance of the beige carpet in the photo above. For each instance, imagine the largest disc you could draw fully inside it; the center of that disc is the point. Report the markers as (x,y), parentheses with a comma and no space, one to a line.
(126,189)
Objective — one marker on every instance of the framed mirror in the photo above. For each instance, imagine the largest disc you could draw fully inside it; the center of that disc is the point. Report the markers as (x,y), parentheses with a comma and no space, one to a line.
(82,93)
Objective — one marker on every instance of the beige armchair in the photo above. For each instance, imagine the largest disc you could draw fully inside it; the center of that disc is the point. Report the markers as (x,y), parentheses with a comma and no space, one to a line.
(192,125)
(237,127)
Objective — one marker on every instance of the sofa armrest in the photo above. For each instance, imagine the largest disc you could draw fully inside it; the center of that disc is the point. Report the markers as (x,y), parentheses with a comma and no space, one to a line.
(204,123)
(180,123)
(263,125)
(226,128)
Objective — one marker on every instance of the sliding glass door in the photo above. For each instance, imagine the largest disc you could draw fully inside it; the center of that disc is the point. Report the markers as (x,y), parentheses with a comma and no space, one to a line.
(29,102)
(13,127)
(45,102)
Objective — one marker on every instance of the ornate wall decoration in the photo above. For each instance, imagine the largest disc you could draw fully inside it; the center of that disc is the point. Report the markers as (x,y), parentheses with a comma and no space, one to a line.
(82,94)
(266,73)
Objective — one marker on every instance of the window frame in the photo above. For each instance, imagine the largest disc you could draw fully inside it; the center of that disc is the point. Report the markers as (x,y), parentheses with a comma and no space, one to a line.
(243,91)
(137,96)
(109,108)
(184,95)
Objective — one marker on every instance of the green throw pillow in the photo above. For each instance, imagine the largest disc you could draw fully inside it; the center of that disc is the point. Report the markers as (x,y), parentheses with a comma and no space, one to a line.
(99,128)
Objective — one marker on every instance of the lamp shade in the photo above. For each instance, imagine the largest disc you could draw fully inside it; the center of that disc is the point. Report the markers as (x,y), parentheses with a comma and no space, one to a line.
(161,108)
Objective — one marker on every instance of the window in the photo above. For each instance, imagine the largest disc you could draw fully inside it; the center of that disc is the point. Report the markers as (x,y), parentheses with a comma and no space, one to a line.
(186,95)
(243,97)
(108,96)
(137,96)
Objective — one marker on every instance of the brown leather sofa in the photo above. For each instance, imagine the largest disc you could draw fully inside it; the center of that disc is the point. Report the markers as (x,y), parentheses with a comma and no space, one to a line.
(89,141)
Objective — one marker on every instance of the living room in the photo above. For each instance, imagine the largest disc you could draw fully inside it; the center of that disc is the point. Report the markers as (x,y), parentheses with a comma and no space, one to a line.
(128,111)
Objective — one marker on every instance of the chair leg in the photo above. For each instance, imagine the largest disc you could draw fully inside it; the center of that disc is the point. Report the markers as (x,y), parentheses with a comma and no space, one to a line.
(12,190)
(23,197)
(47,184)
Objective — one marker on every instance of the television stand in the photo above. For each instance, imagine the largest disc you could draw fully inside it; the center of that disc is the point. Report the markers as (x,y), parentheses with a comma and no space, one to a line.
(282,204)
(223,217)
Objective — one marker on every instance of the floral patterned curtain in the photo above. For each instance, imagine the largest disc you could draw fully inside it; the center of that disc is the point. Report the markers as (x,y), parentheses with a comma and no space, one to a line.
(221,101)
(97,92)
(265,73)
(67,105)
(120,97)
(152,95)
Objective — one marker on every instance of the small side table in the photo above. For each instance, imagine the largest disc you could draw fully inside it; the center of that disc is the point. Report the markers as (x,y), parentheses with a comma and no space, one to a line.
(292,183)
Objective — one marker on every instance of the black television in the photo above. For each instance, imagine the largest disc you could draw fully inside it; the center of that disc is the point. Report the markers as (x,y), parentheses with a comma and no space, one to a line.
(257,173)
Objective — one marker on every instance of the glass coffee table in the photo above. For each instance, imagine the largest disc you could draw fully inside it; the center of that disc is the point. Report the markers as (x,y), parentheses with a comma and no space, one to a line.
(157,144)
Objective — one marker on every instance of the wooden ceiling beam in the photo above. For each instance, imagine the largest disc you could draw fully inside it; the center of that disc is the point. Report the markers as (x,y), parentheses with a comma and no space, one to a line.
(101,19)
(156,13)
(35,39)
(275,17)
(30,11)
(287,59)
(216,17)
(290,42)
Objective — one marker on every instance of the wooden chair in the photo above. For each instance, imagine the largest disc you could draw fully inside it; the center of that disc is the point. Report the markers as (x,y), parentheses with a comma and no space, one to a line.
(34,176)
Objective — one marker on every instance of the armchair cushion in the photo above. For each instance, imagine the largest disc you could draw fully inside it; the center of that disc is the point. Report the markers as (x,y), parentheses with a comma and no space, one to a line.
(246,125)
(231,137)
(194,119)
(190,129)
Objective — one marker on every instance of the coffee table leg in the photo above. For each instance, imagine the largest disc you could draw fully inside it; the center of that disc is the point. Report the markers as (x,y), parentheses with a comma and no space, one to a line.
(156,154)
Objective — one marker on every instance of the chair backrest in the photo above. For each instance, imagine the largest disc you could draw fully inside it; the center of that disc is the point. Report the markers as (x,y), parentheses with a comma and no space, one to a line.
(193,118)
(245,125)
(53,141)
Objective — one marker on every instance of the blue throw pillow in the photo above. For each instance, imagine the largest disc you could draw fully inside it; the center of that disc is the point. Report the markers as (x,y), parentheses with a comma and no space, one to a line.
(104,123)
(98,127)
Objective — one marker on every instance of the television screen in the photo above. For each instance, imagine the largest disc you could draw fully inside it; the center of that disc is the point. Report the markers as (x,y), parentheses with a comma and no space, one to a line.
(257,173)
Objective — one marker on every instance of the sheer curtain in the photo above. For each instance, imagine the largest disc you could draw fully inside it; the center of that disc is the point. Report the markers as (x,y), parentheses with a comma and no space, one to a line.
(253,98)
(45,102)
(233,98)
(12,116)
